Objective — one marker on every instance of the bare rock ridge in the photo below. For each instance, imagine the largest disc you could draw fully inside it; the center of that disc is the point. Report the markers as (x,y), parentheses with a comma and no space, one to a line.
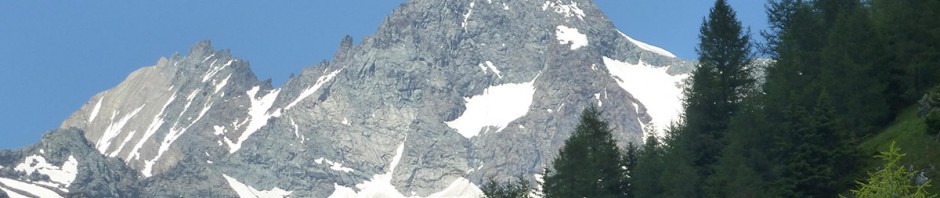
(444,95)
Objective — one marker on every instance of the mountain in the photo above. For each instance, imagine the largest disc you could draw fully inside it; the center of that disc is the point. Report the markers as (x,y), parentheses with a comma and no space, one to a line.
(443,96)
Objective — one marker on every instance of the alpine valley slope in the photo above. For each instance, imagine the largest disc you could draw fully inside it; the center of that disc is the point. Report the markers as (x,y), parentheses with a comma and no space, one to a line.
(444,95)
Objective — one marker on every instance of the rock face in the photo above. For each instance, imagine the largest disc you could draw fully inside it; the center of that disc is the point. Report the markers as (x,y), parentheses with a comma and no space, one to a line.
(444,95)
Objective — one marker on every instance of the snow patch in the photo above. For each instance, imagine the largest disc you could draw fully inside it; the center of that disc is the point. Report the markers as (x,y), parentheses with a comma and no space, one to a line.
(127,139)
(244,191)
(33,189)
(62,175)
(334,165)
(175,133)
(154,125)
(345,122)
(222,84)
(467,15)
(460,187)
(493,68)
(114,129)
(648,47)
(381,185)
(537,191)
(12,194)
(567,35)
(497,106)
(597,97)
(258,113)
(297,131)
(567,10)
(660,92)
(94,111)
(309,91)
(342,192)
(215,70)
(207,58)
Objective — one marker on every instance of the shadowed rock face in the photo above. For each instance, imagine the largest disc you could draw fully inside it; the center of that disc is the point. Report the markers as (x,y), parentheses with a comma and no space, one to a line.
(444,92)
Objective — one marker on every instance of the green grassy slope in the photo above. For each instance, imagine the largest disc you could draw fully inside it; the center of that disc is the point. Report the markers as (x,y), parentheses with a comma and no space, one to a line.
(909,131)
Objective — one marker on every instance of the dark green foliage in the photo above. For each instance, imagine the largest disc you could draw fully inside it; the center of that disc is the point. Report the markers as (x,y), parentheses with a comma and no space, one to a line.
(849,72)
(818,158)
(589,164)
(511,189)
(744,163)
(910,32)
(719,83)
(645,177)
(841,68)
(933,123)
(630,159)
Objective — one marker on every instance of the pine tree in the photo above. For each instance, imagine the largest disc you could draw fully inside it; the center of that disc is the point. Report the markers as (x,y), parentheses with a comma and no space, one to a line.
(589,164)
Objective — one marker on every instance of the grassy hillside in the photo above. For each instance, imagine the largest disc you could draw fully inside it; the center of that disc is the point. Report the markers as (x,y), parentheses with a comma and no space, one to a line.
(909,131)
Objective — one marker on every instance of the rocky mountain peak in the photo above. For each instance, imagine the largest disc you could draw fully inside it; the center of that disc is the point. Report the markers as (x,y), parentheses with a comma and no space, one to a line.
(201,49)
(444,95)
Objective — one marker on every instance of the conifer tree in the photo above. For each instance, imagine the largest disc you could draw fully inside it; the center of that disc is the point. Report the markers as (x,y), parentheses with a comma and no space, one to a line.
(519,188)
(849,72)
(589,164)
(719,84)
(744,164)
(645,178)
(631,158)
(892,180)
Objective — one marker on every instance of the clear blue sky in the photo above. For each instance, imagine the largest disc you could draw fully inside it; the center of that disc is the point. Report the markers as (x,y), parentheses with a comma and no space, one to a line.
(55,55)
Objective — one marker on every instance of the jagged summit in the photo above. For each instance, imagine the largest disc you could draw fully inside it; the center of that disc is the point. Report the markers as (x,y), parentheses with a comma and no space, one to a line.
(201,49)
(444,95)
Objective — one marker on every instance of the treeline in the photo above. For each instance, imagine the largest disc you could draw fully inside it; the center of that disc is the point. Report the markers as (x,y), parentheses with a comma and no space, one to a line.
(841,70)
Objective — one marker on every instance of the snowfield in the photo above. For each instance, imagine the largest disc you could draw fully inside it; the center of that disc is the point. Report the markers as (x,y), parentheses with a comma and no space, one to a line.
(496,107)
(660,92)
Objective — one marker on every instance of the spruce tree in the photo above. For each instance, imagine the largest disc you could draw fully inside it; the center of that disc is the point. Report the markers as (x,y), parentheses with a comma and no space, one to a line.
(589,164)
(631,158)
(719,84)
(645,178)
(744,164)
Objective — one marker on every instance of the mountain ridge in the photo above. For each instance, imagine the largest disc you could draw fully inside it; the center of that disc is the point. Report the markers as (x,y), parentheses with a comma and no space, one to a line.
(375,118)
